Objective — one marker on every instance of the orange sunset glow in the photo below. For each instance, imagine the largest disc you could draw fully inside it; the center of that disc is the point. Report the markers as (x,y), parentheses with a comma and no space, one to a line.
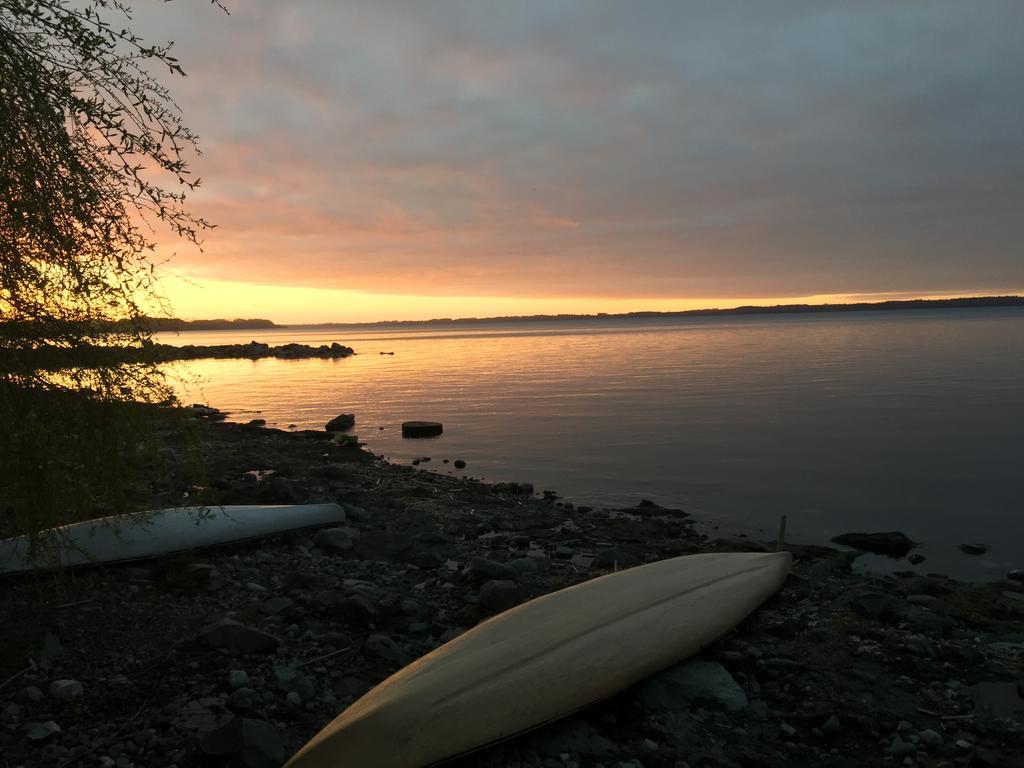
(198,298)
(382,160)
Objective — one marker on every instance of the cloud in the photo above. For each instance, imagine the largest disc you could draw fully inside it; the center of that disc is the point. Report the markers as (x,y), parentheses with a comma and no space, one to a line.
(600,148)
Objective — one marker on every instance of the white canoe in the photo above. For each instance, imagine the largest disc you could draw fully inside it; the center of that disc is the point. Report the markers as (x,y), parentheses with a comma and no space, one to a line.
(153,534)
(546,659)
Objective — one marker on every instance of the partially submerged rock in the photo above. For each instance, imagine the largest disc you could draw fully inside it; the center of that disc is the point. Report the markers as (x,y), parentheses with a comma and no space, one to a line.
(890,543)
(341,422)
(421,428)
(974,548)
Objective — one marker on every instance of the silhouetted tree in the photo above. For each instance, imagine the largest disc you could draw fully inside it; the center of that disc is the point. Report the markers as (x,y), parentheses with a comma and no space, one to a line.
(93,163)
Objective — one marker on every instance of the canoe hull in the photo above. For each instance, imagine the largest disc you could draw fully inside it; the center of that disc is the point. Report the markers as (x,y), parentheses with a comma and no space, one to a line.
(158,533)
(545,659)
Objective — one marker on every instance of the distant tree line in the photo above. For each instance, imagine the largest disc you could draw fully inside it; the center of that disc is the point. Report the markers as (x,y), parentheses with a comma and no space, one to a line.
(778,309)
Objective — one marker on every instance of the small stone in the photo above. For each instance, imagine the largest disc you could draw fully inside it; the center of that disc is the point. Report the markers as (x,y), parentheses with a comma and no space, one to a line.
(11,714)
(293,698)
(241,700)
(459,464)
(276,606)
(52,648)
(974,548)
(252,586)
(650,746)
(832,728)
(385,649)
(931,738)
(499,595)
(237,678)
(40,732)
(899,747)
(904,726)
(291,680)
(66,691)
(333,540)
(523,565)
(787,729)
(232,636)
(256,743)
(33,694)
(613,560)
(963,744)
(879,606)
(483,570)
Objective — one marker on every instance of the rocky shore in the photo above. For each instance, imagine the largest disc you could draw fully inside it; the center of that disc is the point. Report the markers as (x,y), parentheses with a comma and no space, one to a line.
(254,350)
(56,358)
(237,656)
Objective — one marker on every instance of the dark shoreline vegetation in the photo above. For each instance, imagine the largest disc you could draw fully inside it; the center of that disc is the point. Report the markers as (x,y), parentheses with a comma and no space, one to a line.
(88,356)
(118,665)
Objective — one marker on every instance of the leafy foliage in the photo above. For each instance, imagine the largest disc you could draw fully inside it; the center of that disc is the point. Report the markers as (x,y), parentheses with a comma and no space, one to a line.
(93,161)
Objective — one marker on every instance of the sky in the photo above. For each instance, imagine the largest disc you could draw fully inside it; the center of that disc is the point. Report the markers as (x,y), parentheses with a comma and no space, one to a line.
(402,160)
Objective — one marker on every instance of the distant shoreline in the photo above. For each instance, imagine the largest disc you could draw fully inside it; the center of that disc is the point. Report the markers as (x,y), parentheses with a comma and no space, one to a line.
(907,304)
(972,302)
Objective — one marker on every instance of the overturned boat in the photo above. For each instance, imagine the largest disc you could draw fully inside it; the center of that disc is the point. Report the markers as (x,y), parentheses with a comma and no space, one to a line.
(161,532)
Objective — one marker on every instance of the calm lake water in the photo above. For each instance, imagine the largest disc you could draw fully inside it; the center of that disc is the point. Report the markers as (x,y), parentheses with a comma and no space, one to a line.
(907,421)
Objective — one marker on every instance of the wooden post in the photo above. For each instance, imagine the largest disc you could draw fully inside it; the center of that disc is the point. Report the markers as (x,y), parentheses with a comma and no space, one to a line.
(781,541)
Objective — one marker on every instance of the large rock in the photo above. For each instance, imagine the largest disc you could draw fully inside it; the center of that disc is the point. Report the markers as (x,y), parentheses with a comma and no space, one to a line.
(341,423)
(693,682)
(891,543)
(238,638)
(255,743)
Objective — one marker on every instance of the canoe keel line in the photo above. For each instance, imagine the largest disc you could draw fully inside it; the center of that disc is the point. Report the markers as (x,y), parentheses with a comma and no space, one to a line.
(546,659)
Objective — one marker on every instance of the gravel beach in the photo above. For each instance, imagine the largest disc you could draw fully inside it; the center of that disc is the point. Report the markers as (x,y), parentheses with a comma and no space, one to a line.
(237,656)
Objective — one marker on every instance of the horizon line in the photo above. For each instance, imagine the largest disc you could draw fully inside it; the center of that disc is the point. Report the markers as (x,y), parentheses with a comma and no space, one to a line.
(971,301)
